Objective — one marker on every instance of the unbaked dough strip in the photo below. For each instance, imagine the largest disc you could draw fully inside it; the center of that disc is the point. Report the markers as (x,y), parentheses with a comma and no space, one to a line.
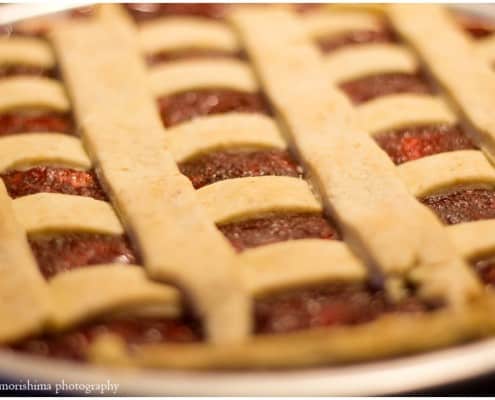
(159,207)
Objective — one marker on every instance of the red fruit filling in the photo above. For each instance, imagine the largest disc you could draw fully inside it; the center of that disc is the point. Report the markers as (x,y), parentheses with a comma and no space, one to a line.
(217,166)
(411,143)
(185,106)
(64,252)
(356,37)
(53,180)
(166,56)
(370,87)
(74,344)
(25,70)
(277,228)
(13,123)
(462,205)
(326,305)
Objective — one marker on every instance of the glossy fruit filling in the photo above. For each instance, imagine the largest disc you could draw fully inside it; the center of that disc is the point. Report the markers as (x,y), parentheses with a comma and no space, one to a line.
(327,305)
(415,142)
(185,106)
(462,205)
(25,70)
(368,88)
(166,56)
(12,123)
(74,344)
(485,267)
(53,180)
(220,165)
(328,44)
(277,228)
(64,252)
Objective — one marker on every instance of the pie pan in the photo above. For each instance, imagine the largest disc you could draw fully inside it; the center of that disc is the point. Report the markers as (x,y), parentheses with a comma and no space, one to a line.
(399,375)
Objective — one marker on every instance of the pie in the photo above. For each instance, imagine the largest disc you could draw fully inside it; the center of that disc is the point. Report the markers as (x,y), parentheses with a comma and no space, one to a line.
(246,186)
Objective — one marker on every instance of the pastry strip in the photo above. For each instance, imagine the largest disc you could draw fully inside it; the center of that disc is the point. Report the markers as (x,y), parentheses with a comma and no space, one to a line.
(221,132)
(88,292)
(55,212)
(24,300)
(401,110)
(298,263)
(441,171)
(179,33)
(358,183)
(158,205)
(26,51)
(32,92)
(474,238)
(486,48)
(42,148)
(241,198)
(368,59)
(179,76)
(330,24)
(449,54)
